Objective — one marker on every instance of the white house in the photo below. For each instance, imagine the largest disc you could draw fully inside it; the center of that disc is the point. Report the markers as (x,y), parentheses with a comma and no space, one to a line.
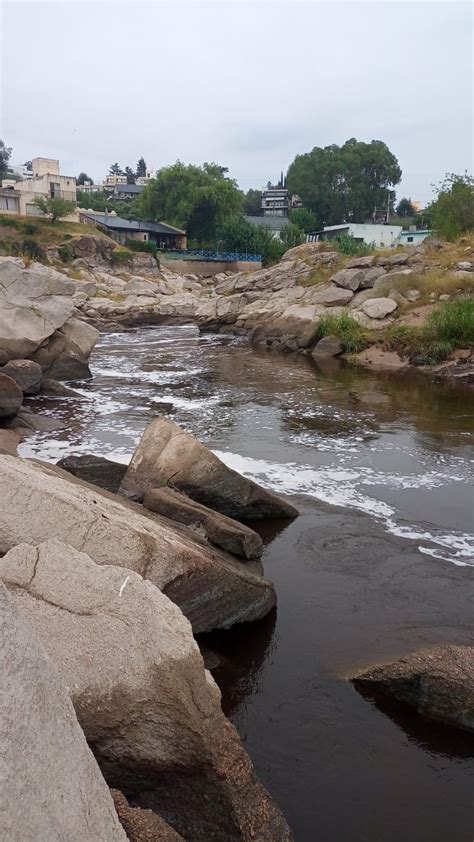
(45,181)
(381,236)
(414,238)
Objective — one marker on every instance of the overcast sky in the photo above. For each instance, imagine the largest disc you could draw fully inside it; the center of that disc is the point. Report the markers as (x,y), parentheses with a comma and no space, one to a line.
(246,84)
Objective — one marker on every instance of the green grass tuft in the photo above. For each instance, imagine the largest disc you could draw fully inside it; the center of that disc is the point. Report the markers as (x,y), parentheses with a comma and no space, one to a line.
(351,334)
(448,327)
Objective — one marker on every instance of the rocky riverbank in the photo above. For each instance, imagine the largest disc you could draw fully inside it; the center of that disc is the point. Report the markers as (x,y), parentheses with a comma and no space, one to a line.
(114,592)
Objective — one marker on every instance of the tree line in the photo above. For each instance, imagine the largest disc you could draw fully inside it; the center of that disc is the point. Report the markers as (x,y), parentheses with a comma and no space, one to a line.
(350,183)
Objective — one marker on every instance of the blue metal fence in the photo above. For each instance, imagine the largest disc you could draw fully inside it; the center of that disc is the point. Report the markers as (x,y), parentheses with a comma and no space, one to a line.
(214,256)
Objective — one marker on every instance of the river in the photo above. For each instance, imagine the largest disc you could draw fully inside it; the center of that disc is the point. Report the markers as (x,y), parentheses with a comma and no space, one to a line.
(378,564)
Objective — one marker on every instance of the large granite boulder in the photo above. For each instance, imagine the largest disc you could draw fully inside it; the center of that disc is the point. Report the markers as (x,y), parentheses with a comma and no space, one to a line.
(328,346)
(438,682)
(51,786)
(143,825)
(93,249)
(220,530)
(212,588)
(11,397)
(66,355)
(34,302)
(167,456)
(26,373)
(142,696)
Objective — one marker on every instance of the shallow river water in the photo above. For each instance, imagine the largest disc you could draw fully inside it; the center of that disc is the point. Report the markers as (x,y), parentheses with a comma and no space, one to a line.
(378,564)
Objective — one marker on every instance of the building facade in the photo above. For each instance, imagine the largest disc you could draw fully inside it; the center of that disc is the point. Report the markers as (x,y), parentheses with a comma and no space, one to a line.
(380,236)
(165,236)
(46,181)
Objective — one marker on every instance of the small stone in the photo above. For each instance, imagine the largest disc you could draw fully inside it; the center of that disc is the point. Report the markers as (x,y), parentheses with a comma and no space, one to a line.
(444,297)
(412,294)
(26,374)
(348,278)
(378,308)
(11,397)
(465,266)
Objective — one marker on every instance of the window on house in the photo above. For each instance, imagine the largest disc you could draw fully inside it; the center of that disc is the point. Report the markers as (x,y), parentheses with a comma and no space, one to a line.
(409,239)
(54,190)
(9,203)
(32,210)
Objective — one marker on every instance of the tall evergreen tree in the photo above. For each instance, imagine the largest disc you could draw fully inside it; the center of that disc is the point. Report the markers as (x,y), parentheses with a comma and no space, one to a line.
(130,175)
(141,168)
(115,169)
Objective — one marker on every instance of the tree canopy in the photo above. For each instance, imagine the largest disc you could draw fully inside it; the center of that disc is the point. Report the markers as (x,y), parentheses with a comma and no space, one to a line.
(236,234)
(452,212)
(304,219)
(196,198)
(405,208)
(130,175)
(345,183)
(5,153)
(115,169)
(82,178)
(141,167)
(291,235)
(54,208)
(253,202)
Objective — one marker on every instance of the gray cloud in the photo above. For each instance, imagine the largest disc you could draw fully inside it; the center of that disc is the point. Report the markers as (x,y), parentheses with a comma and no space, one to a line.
(249,85)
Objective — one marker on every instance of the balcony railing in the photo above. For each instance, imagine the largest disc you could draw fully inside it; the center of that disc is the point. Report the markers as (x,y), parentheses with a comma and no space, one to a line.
(213,256)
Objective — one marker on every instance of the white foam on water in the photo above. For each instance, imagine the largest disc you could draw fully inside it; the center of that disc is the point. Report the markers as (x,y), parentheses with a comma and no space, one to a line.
(187,403)
(340,487)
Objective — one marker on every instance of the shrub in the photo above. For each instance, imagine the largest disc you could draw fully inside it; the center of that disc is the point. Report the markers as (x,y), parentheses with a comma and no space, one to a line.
(351,334)
(120,256)
(10,222)
(30,228)
(347,244)
(66,253)
(139,245)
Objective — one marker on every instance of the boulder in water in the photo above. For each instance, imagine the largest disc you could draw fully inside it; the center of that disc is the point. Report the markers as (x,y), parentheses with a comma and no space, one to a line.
(167,456)
(212,588)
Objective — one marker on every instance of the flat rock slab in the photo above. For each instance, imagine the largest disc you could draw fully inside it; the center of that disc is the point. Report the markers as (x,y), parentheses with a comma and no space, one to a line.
(378,308)
(377,358)
(212,588)
(95,469)
(328,346)
(220,530)
(332,296)
(167,456)
(143,825)
(438,682)
(52,788)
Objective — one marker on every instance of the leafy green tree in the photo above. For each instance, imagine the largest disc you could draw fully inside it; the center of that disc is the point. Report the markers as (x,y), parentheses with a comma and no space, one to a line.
(5,153)
(141,167)
(28,165)
(82,178)
(345,183)
(130,175)
(237,234)
(54,208)
(405,208)
(198,199)
(304,219)
(452,211)
(291,235)
(115,169)
(253,202)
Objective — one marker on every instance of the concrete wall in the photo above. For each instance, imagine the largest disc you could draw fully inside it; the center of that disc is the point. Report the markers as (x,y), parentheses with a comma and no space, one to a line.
(204,268)
(42,166)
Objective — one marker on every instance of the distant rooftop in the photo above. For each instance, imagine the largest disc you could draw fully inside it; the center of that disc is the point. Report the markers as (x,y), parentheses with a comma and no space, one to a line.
(116,222)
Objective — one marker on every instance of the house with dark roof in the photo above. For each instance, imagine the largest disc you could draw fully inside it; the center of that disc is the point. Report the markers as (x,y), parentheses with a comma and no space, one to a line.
(165,236)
